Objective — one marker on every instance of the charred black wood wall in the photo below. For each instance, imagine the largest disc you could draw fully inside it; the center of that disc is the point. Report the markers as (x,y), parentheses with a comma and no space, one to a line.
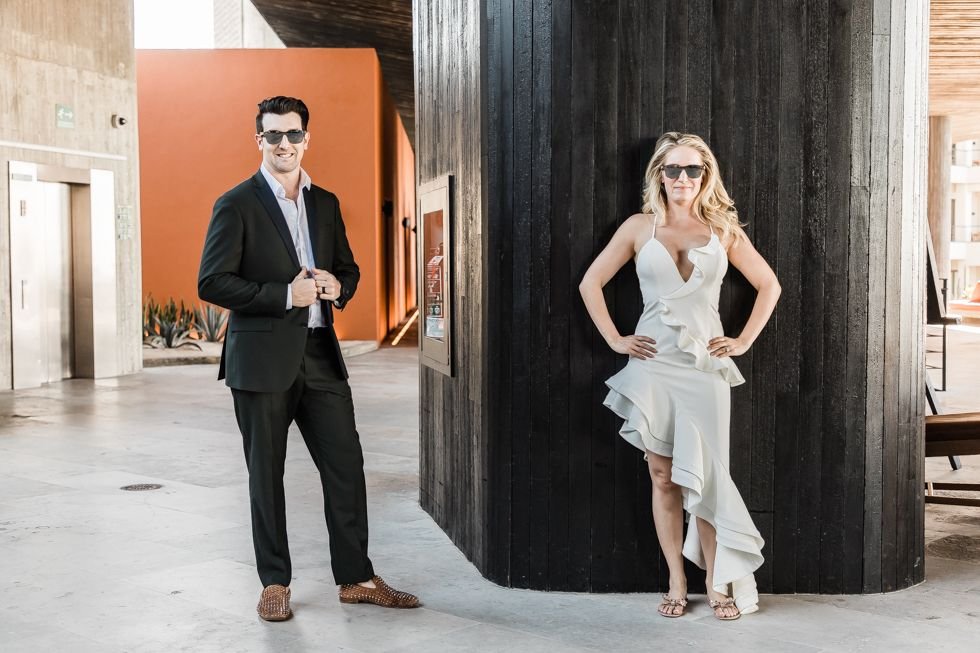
(453,466)
(816,110)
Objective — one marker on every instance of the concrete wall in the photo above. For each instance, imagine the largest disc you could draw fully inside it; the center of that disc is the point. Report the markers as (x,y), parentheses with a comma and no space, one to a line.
(80,55)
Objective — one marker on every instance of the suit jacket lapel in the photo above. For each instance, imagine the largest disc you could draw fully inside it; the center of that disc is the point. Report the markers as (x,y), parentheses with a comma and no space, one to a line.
(313,227)
(268,199)
(311,221)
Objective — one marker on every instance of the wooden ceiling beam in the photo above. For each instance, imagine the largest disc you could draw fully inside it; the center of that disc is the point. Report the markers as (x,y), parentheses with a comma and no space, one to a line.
(954,65)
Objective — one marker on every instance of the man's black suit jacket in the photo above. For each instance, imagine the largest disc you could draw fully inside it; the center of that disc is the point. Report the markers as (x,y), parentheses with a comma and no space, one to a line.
(249,259)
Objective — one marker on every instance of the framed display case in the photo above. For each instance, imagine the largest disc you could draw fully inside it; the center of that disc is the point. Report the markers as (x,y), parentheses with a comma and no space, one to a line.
(435,274)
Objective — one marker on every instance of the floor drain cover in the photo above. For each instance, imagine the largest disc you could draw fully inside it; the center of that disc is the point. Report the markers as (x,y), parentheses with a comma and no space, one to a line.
(141,487)
(956,547)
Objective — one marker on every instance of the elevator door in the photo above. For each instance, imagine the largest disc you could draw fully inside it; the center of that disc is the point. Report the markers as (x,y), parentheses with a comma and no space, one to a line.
(41,283)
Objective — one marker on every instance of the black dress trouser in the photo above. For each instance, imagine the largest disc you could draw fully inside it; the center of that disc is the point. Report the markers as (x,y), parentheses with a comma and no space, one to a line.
(320,403)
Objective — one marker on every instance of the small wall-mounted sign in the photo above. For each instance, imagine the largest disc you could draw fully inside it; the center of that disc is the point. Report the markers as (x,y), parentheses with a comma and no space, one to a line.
(64,116)
(124,223)
(435,274)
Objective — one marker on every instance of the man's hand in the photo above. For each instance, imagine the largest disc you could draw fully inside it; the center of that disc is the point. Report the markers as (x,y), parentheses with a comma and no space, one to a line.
(328,286)
(303,289)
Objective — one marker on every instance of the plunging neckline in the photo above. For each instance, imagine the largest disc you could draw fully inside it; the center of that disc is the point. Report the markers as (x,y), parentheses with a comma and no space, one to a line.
(666,251)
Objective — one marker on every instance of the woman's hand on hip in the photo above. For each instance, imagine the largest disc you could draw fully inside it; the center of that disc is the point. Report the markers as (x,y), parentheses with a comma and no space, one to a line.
(641,347)
(724,346)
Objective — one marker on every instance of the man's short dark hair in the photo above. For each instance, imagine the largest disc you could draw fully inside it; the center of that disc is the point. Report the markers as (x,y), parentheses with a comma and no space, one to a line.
(281,105)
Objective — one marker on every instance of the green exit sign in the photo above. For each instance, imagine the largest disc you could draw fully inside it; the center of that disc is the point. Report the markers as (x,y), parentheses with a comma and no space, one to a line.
(64,116)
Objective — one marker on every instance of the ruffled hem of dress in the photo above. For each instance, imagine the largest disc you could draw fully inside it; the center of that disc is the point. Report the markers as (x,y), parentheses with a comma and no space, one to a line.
(711,494)
(708,489)
(637,428)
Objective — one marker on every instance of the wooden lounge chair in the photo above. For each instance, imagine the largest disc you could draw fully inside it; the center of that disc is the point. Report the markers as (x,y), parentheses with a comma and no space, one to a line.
(955,434)
(936,313)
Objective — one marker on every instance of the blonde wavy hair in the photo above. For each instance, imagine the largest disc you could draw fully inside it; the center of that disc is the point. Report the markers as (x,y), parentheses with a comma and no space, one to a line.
(712,205)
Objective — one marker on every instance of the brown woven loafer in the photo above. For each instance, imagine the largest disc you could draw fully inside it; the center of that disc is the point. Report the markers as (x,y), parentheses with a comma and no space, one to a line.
(274,603)
(382,595)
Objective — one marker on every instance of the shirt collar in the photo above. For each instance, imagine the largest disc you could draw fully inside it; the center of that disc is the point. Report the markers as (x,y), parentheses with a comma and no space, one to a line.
(277,189)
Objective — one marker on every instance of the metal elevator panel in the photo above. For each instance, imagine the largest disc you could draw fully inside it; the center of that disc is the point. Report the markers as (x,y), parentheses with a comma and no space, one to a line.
(41,280)
(25,289)
(56,262)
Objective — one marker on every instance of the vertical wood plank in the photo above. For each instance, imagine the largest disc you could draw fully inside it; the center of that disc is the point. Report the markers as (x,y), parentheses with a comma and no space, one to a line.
(563,296)
(543,438)
(496,57)
(918,282)
(734,118)
(765,234)
(605,363)
(674,85)
(518,257)
(813,309)
(649,29)
(630,469)
(583,339)
(856,367)
(697,88)
(836,239)
(891,436)
(788,327)
(876,314)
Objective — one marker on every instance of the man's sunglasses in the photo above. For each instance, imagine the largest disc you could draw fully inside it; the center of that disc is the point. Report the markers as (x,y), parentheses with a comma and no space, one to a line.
(273,137)
(674,172)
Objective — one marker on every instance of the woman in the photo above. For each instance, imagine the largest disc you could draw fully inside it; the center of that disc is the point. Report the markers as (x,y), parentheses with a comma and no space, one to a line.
(674,393)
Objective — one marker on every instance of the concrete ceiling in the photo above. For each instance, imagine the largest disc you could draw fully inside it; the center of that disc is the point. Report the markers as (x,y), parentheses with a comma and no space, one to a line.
(385,25)
(954,65)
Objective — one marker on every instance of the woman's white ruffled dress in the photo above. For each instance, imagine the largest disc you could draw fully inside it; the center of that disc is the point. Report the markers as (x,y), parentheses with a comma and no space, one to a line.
(677,404)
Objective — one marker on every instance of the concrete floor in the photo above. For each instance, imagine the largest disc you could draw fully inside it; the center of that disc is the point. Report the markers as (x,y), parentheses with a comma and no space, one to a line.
(87,567)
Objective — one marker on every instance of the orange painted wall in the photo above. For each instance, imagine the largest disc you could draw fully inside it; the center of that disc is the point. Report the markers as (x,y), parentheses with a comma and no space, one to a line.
(196,126)
(399,187)
(405,203)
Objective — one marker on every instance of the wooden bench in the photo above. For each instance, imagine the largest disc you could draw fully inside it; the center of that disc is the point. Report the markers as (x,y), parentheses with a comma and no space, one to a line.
(956,434)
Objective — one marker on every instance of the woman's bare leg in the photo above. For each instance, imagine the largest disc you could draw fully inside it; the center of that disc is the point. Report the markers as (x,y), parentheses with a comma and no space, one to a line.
(709,544)
(668,518)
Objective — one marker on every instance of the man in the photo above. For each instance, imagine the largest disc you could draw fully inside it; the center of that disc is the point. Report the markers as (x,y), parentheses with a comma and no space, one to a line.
(276,255)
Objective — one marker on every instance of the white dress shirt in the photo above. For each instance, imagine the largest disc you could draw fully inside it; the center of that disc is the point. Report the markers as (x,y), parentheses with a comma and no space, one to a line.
(299,229)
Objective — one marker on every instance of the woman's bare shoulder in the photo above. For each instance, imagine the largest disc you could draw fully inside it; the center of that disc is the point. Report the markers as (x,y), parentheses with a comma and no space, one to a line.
(637,229)
(735,238)
(638,222)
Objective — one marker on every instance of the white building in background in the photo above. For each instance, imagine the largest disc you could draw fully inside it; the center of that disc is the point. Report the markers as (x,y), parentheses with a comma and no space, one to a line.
(201,24)
(964,251)
(238,24)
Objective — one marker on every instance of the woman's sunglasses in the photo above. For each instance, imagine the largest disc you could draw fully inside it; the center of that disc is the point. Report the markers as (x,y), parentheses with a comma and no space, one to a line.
(294,136)
(674,172)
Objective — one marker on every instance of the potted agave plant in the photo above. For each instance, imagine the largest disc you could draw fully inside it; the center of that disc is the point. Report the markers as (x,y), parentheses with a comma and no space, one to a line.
(168,326)
(210,322)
